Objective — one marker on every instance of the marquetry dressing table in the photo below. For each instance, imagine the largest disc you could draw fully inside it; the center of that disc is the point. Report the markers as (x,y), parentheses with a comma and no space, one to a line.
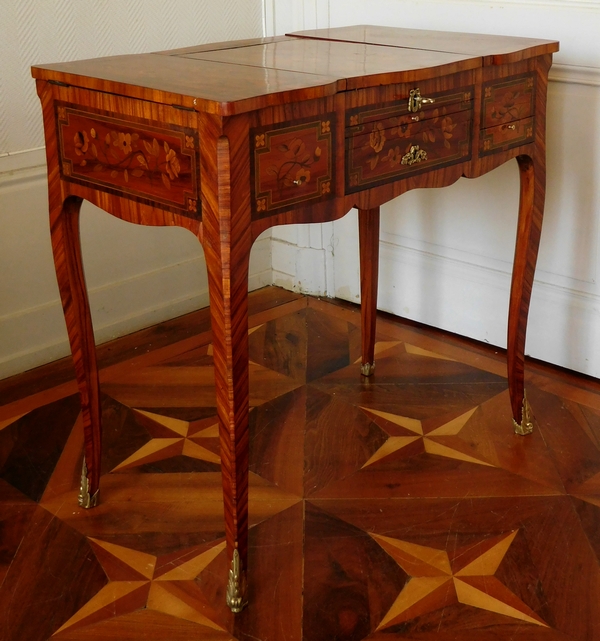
(229,139)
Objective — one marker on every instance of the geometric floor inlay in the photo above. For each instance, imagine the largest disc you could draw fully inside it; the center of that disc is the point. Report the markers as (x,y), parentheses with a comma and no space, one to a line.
(396,506)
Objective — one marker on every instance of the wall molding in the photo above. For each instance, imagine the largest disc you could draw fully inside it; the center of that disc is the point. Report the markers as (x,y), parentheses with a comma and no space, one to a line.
(575,75)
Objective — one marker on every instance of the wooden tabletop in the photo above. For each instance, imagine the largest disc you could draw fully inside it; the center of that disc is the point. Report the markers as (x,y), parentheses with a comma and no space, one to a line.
(234,77)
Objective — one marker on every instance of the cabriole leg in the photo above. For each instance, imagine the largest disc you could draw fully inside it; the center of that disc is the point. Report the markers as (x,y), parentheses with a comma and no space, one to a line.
(532,173)
(66,247)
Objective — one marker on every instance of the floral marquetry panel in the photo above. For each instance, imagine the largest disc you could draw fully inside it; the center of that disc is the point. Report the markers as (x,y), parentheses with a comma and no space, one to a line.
(392,147)
(507,100)
(292,165)
(130,157)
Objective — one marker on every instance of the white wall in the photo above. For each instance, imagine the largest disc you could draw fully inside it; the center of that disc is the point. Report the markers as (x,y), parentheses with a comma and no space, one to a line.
(136,275)
(446,254)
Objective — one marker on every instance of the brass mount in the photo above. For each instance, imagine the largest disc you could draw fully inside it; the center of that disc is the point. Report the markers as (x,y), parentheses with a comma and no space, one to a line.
(367,369)
(526,426)
(237,588)
(85,499)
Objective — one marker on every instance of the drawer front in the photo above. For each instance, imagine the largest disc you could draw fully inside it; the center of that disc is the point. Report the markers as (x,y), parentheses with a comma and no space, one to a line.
(508,100)
(364,119)
(384,155)
(293,165)
(506,136)
(130,157)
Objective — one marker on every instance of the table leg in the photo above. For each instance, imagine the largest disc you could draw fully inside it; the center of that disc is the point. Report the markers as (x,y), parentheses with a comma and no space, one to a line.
(368,237)
(227,246)
(532,172)
(66,246)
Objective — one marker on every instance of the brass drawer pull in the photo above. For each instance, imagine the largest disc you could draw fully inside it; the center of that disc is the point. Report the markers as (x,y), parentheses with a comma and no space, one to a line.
(414,155)
(415,101)
(511,127)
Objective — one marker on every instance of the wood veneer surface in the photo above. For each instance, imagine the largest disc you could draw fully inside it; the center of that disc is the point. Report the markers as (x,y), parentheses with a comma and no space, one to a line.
(393,507)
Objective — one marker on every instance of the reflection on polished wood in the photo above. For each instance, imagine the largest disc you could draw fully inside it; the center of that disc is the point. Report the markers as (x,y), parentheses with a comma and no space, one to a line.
(394,506)
(230,139)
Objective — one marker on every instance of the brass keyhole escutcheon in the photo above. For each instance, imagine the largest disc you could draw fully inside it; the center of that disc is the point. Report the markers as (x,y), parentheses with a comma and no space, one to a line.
(416,101)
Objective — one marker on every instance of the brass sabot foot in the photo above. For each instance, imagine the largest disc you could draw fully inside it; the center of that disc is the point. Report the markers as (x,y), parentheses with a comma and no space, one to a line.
(85,499)
(526,426)
(366,369)
(237,597)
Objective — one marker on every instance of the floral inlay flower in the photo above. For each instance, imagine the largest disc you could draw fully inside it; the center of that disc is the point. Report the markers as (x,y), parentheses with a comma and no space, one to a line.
(192,204)
(377,138)
(189,142)
(172,165)
(507,109)
(81,142)
(260,140)
(447,128)
(261,204)
(123,142)
(325,127)
(326,187)
(302,176)
(394,157)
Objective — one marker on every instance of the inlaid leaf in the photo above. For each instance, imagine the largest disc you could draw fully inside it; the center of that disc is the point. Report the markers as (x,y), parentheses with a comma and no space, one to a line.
(155,148)
(126,175)
(166,181)
(138,173)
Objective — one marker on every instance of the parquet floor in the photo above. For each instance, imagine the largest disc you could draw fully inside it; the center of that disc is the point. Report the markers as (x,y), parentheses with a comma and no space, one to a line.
(401,507)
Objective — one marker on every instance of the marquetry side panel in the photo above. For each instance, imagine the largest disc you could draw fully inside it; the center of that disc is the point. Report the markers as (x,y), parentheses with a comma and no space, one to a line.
(507,114)
(129,148)
(292,164)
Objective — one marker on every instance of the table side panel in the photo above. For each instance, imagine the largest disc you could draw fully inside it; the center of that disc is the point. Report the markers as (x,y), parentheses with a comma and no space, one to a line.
(128,148)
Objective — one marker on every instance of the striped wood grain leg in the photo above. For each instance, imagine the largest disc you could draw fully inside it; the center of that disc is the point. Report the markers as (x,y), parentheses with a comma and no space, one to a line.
(368,235)
(531,207)
(66,246)
(227,246)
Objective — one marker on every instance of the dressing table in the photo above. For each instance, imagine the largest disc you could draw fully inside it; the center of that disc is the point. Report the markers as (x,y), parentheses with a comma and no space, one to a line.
(229,139)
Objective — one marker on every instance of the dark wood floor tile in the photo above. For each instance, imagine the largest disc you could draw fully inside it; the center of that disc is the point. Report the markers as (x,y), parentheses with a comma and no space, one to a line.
(589,515)
(426,476)
(281,345)
(276,574)
(14,524)
(328,344)
(576,456)
(277,441)
(339,440)
(31,446)
(53,574)
(353,582)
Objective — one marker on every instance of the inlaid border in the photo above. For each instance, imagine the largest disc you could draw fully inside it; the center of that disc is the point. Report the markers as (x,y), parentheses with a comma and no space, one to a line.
(130,157)
(292,164)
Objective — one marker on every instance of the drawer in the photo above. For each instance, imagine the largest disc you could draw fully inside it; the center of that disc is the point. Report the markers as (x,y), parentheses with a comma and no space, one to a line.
(364,119)
(506,136)
(292,165)
(385,154)
(507,100)
(130,157)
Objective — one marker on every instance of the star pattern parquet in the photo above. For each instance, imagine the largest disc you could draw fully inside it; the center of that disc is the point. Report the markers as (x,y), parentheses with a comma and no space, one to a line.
(396,507)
